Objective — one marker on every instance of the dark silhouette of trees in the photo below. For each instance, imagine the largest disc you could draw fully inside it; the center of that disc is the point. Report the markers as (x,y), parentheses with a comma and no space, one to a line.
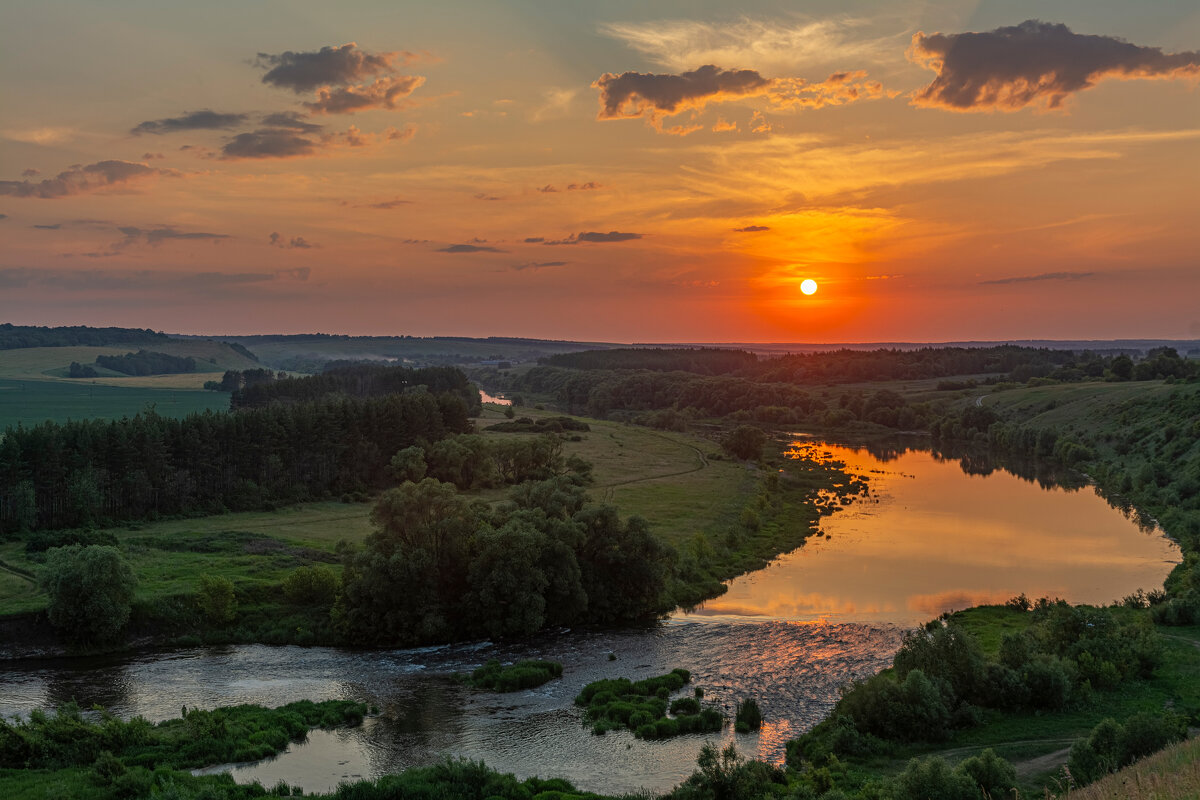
(146,362)
(90,590)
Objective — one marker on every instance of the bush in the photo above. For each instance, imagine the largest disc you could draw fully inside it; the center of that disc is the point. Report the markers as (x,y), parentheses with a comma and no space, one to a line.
(310,586)
(932,779)
(748,714)
(217,599)
(522,675)
(90,591)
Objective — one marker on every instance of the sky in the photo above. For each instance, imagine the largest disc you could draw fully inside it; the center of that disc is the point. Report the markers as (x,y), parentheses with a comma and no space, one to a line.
(643,171)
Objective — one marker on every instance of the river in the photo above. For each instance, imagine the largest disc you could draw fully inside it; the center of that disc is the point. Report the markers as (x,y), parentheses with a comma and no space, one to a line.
(934,534)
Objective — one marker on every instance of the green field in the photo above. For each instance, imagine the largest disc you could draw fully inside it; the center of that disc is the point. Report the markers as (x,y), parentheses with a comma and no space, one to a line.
(32,402)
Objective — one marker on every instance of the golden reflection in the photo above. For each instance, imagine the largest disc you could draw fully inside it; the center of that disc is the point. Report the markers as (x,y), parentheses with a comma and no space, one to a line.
(929,537)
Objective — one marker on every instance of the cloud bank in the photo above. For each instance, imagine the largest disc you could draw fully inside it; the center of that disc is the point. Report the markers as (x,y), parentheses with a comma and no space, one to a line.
(1034,63)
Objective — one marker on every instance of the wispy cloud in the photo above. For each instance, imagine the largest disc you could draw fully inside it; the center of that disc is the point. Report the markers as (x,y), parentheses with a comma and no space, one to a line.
(655,97)
(766,44)
(138,280)
(1045,276)
(593,237)
(384,93)
(538,265)
(470,248)
(1032,64)
(294,243)
(82,179)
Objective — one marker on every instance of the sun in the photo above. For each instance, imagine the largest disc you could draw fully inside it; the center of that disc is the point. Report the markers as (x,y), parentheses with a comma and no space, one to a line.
(808,286)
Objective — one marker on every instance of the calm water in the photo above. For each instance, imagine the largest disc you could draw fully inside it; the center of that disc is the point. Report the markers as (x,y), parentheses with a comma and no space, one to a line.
(934,534)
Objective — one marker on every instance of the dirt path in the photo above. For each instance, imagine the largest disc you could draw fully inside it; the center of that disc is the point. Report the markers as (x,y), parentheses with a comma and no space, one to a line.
(608,487)
(20,573)
(1042,764)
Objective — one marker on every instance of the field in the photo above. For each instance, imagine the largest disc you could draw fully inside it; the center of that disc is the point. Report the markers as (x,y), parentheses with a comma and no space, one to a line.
(34,389)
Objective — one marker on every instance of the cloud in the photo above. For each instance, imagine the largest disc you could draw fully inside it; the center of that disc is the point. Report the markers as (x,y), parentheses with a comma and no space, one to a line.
(152,156)
(295,243)
(547,188)
(751,229)
(205,120)
(30,172)
(39,135)
(387,204)
(776,44)
(469,248)
(534,239)
(632,94)
(291,120)
(583,187)
(3,216)
(636,94)
(269,143)
(1045,276)
(595,237)
(330,66)
(125,281)
(482,196)
(539,265)
(722,125)
(1034,63)
(385,92)
(53,227)
(156,236)
(81,179)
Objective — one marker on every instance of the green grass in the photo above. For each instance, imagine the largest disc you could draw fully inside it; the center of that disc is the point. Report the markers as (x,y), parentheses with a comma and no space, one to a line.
(32,402)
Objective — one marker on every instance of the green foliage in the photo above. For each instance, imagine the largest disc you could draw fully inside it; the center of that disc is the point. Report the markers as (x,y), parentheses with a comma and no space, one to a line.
(749,714)
(409,464)
(725,775)
(312,585)
(933,779)
(146,362)
(90,591)
(1111,745)
(526,674)
(744,442)
(641,706)
(217,599)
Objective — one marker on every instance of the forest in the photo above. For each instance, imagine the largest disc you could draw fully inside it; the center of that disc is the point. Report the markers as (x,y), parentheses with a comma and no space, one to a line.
(16,337)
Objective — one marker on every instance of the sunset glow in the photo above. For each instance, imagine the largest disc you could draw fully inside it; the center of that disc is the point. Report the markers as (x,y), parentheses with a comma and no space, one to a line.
(614,171)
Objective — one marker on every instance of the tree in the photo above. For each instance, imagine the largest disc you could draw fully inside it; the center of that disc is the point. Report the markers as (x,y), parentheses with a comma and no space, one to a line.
(744,442)
(91,590)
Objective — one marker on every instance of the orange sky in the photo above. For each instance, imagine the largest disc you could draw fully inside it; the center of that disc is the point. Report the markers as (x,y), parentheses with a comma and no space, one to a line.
(620,171)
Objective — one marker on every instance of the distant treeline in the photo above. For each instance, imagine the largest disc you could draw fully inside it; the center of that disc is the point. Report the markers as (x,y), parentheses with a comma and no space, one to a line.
(365,380)
(147,362)
(80,473)
(1010,362)
(705,361)
(15,337)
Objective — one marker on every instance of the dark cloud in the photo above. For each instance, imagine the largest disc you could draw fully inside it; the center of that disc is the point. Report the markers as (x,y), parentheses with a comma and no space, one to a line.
(388,204)
(30,172)
(582,187)
(53,227)
(596,237)
(387,92)
(482,196)
(751,229)
(547,189)
(3,216)
(269,143)
(1045,276)
(630,94)
(156,236)
(539,264)
(330,66)
(292,121)
(535,239)
(611,236)
(80,179)
(152,156)
(91,280)
(205,120)
(469,248)
(295,243)
(1034,63)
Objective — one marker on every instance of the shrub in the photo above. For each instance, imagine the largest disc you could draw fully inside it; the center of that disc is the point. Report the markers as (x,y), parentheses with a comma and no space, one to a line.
(749,714)
(90,590)
(216,598)
(310,586)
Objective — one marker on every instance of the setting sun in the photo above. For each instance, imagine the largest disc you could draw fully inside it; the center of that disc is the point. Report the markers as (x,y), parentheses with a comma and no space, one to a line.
(808,286)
